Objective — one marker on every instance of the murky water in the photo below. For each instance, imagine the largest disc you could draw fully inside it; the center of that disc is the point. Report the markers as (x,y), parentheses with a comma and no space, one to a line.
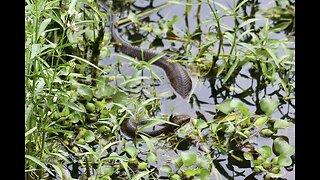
(202,89)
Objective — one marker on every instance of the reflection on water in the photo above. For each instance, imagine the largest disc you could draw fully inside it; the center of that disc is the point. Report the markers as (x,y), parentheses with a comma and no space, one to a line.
(207,91)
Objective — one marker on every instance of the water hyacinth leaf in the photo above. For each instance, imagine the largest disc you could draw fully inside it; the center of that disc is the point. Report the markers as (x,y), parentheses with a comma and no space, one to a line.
(268,105)
(106,91)
(89,136)
(120,97)
(143,166)
(275,175)
(225,106)
(132,151)
(151,157)
(282,147)
(175,177)
(204,174)
(86,92)
(191,172)
(167,169)
(261,121)
(107,170)
(201,124)
(248,156)
(177,162)
(281,124)
(203,162)
(284,160)
(265,151)
(188,158)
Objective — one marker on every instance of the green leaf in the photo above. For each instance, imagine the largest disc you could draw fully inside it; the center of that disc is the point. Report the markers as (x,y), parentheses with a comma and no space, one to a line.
(248,156)
(177,162)
(43,26)
(204,174)
(201,124)
(167,169)
(281,124)
(149,144)
(57,169)
(120,97)
(37,161)
(132,151)
(203,162)
(151,157)
(265,151)
(282,147)
(284,160)
(140,175)
(106,91)
(74,106)
(188,158)
(225,106)
(261,121)
(85,92)
(89,136)
(191,172)
(268,105)
(35,50)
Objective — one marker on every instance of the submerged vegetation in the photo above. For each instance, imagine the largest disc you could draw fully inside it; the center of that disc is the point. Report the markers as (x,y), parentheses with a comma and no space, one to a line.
(75,103)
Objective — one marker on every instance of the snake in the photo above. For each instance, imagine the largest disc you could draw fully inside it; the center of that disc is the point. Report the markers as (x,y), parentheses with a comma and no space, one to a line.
(175,72)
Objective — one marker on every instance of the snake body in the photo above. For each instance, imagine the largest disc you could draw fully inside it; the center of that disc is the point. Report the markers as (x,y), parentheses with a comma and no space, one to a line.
(129,127)
(177,74)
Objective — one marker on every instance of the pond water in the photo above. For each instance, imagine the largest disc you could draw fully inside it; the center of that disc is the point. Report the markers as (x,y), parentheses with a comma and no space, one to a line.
(203,90)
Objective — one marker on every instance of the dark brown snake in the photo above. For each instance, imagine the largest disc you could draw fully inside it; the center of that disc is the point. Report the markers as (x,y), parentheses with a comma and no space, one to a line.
(177,75)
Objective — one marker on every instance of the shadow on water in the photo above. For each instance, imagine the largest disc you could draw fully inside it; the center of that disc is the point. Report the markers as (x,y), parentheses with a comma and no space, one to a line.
(245,84)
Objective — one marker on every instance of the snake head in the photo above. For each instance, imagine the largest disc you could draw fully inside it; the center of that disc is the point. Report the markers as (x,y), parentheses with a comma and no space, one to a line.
(180,119)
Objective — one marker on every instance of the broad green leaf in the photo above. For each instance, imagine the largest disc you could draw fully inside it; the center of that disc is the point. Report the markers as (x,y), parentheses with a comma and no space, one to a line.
(85,92)
(191,172)
(106,91)
(268,105)
(248,156)
(261,121)
(204,174)
(132,151)
(89,136)
(282,147)
(107,170)
(201,124)
(281,124)
(203,162)
(224,106)
(120,97)
(189,158)
(166,168)
(265,151)
(284,160)
(151,157)
(177,162)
